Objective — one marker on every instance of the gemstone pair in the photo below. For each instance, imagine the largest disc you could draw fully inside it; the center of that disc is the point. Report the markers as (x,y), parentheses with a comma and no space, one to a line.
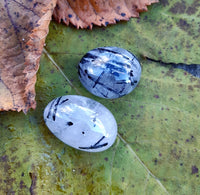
(85,124)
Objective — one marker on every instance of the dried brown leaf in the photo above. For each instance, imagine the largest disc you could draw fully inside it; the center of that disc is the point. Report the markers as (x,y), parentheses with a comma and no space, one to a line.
(85,13)
(23,29)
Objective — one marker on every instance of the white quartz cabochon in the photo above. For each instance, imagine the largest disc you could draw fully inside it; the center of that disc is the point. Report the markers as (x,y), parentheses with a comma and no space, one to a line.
(81,123)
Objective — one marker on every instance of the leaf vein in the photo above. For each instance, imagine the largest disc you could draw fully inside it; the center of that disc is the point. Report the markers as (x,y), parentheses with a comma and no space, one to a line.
(63,74)
(140,161)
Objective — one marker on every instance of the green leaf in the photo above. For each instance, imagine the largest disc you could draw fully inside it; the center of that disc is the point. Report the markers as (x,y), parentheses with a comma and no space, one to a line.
(157,149)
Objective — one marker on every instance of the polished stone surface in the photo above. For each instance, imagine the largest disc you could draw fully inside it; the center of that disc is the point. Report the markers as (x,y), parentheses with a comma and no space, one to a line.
(81,123)
(109,72)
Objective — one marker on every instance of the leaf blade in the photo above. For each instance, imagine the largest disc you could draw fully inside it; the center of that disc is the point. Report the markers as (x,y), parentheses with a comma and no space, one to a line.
(85,14)
(23,28)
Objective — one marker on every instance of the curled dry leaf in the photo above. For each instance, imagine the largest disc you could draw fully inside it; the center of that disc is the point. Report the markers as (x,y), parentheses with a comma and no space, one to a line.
(23,29)
(85,13)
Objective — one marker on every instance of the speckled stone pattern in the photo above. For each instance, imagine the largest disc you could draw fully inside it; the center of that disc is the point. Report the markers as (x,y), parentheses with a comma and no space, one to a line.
(109,72)
(81,122)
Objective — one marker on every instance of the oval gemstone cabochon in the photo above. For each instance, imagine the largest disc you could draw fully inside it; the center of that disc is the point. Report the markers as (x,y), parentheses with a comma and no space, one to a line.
(109,72)
(81,123)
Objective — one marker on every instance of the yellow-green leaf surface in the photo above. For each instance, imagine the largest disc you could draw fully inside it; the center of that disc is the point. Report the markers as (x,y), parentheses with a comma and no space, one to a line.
(157,150)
